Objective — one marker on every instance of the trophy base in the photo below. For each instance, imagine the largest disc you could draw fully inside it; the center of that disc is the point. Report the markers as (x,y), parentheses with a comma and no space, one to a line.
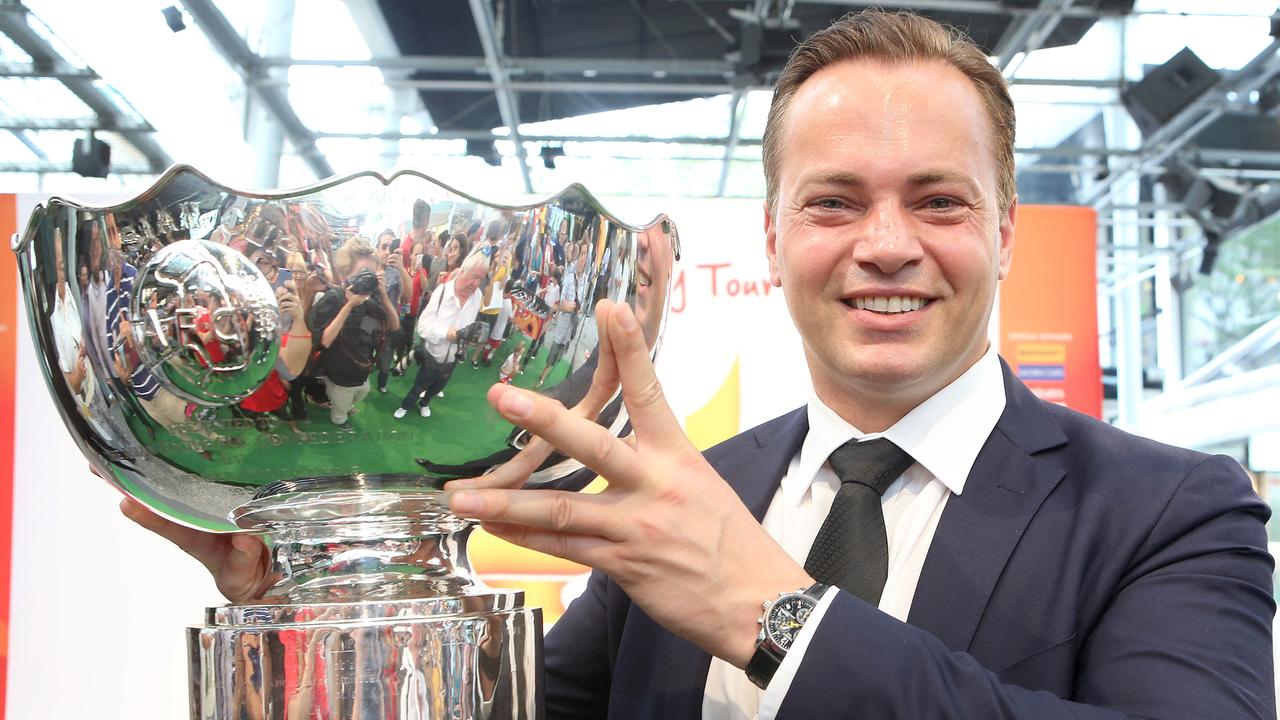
(467,656)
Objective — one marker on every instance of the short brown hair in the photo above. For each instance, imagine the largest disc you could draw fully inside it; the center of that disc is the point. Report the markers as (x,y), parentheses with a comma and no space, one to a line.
(895,38)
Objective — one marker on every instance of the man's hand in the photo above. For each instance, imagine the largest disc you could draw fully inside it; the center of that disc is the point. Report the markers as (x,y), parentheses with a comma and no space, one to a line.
(287,299)
(239,563)
(668,529)
(355,299)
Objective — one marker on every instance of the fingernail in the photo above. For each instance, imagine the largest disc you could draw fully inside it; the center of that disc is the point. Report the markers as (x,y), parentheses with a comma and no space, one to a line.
(516,405)
(464,503)
(626,319)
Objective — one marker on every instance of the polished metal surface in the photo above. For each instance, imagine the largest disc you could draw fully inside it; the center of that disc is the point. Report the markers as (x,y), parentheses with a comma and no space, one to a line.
(420,668)
(179,330)
(312,366)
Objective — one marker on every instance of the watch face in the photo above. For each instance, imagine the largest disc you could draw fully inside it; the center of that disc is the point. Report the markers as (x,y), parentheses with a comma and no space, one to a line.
(786,617)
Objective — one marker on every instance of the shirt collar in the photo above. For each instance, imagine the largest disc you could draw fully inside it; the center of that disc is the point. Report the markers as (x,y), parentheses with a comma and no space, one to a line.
(943,434)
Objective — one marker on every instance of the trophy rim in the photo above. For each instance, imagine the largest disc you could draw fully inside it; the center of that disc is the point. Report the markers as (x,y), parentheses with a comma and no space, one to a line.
(271,611)
(20,241)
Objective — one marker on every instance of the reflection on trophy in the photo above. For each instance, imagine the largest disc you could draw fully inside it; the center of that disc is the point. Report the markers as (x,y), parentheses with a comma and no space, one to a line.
(312,366)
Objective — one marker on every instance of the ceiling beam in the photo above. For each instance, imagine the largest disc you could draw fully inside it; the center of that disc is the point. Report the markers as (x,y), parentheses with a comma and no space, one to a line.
(83,124)
(59,71)
(45,167)
(1028,34)
(557,86)
(516,66)
(985,7)
(237,54)
(13,22)
(508,109)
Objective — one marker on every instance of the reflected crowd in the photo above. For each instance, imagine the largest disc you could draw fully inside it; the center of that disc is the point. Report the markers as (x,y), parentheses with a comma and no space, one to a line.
(504,292)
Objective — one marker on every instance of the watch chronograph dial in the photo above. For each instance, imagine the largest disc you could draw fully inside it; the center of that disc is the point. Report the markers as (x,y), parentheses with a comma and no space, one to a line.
(786,617)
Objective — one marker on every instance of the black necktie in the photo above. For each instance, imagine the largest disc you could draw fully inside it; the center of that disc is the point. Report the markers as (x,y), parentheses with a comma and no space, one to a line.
(851,550)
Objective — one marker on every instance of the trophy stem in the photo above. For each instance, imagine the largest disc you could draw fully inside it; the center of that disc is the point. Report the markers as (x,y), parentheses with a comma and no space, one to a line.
(370,559)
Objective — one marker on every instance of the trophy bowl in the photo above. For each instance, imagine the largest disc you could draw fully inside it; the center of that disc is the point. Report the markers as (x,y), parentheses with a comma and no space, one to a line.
(312,366)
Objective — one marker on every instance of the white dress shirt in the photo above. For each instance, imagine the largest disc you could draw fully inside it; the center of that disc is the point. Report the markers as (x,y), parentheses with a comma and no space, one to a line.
(445,312)
(943,434)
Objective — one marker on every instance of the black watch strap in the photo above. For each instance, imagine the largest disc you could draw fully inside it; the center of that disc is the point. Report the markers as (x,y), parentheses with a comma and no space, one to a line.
(762,665)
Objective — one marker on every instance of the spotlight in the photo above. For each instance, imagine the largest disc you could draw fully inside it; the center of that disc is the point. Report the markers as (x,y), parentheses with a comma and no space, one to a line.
(173,18)
(487,150)
(91,157)
(549,154)
(1167,89)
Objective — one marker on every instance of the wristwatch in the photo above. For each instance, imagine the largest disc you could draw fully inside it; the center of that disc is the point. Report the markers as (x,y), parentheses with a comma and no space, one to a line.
(779,627)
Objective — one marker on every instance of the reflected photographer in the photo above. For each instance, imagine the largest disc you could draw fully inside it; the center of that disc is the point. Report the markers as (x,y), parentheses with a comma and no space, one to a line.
(349,323)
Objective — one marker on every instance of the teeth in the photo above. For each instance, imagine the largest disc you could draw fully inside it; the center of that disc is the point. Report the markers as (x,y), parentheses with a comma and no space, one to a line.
(889,304)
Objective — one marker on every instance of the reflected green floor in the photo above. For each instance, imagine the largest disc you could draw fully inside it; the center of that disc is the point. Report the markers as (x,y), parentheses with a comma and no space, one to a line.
(462,427)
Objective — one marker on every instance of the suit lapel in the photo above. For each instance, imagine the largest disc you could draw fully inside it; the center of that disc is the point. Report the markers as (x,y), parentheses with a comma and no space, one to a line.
(980,527)
(753,465)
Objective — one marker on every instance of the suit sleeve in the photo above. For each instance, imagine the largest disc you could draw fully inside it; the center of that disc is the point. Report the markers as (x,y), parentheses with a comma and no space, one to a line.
(578,657)
(1186,634)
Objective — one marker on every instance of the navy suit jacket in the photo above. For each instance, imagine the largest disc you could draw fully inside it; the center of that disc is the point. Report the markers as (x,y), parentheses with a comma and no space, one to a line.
(1082,573)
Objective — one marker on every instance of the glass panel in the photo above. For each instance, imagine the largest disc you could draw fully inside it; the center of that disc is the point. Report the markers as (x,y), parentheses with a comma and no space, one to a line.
(43,98)
(1240,296)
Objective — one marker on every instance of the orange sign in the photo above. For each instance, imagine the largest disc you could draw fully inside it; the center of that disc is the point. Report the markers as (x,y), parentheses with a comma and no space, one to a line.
(8,377)
(1049,306)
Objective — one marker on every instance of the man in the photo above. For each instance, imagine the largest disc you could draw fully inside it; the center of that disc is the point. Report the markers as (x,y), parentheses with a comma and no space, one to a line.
(452,307)
(349,322)
(1039,564)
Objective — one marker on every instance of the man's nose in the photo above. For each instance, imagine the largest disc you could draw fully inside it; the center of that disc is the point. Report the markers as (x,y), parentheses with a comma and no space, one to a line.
(887,239)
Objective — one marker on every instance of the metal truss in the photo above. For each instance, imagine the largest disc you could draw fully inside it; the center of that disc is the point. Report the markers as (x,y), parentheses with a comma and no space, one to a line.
(239,56)
(1188,123)
(508,108)
(47,62)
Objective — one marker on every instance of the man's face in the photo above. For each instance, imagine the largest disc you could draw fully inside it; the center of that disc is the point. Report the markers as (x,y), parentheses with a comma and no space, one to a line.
(468,282)
(266,264)
(653,272)
(887,237)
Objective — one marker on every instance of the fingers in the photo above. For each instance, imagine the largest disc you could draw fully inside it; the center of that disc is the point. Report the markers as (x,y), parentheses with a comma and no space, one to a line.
(574,435)
(513,473)
(582,549)
(646,405)
(557,510)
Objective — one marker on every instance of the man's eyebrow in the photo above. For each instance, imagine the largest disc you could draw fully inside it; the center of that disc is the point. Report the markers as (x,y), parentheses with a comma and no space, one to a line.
(847,179)
(921,179)
(942,177)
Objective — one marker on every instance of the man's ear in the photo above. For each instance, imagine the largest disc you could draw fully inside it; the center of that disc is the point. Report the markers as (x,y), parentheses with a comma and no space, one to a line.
(771,245)
(1006,238)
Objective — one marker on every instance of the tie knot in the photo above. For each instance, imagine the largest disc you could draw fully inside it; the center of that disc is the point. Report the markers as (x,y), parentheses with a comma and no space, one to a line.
(873,463)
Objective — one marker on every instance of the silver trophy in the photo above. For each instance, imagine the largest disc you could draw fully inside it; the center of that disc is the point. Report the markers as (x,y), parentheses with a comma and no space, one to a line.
(311,366)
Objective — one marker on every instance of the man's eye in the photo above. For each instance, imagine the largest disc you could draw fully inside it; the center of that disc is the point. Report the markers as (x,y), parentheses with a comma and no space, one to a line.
(829,204)
(941,203)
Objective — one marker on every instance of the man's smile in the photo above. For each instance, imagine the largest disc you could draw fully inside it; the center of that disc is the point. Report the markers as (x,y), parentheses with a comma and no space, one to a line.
(887,304)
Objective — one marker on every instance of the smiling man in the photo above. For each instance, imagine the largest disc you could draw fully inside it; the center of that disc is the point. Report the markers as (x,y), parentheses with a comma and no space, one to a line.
(944,543)
(926,538)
